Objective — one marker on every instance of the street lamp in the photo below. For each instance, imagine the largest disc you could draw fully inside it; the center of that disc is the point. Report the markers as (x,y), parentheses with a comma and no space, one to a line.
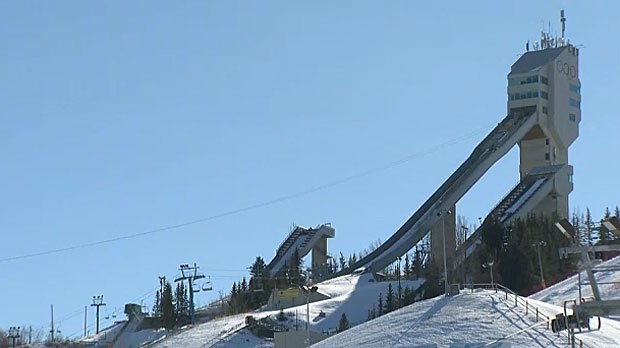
(538,245)
(399,288)
(307,291)
(490,266)
(443,236)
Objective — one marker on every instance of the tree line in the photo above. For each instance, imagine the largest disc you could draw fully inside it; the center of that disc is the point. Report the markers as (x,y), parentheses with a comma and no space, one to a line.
(514,249)
(173,309)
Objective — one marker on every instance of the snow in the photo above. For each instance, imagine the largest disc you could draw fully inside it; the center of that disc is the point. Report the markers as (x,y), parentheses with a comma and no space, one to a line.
(477,316)
(569,289)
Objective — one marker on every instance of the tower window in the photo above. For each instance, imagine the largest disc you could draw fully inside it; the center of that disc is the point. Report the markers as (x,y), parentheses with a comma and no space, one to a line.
(574,88)
(572,117)
(544,95)
(545,110)
(546,141)
(574,103)
(547,156)
(544,80)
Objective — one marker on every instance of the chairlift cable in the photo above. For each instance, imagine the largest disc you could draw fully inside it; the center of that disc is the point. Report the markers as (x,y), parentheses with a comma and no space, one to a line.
(266,203)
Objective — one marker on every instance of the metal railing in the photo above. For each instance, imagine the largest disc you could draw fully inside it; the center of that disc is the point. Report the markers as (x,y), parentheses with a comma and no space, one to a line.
(522,301)
(224,335)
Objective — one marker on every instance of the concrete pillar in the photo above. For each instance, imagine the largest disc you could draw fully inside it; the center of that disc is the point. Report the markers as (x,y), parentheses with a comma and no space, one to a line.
(319,258)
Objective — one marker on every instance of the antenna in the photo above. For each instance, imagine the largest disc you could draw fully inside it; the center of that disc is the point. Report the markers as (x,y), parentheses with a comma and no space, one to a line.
(563,21)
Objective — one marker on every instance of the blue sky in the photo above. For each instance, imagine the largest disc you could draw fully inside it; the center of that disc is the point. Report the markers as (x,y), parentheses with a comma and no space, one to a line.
(120,118)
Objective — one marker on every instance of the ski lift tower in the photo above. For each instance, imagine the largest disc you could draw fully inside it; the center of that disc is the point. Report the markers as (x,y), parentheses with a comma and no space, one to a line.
(583,311)
(190,273)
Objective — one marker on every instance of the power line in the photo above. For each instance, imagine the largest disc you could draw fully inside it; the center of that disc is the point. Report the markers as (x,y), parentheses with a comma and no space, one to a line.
(257,205)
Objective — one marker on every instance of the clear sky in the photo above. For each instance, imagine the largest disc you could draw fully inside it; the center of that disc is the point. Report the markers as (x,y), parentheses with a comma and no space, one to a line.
(122,117)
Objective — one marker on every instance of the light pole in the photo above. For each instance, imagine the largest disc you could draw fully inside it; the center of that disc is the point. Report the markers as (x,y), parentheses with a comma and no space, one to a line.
(398,282)
(307,291)
(538,245)
(443,237)
(14,333)
(490,266)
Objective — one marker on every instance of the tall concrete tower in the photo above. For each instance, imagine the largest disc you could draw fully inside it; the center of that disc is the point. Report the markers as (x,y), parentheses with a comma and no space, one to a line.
(547,79)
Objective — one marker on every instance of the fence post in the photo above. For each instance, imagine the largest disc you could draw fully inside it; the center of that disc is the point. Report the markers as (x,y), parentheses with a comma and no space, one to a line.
(526,307)
(516,297)
(536,314)
(506,292)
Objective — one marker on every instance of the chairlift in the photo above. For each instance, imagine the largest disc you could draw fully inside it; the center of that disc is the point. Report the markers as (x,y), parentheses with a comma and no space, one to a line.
(207,286)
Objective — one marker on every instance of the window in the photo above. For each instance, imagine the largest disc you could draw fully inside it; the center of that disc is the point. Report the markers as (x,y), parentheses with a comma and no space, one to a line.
(570,178)
(545,110)
(515,81)
(544,80)
(524,95)
(547,156)
(546,141)
(544,95)
(572,117)
(574,88)
(574,103)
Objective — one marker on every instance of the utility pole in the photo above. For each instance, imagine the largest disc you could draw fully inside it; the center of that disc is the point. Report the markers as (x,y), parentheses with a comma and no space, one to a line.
(85,319)
(97,302)
(307,291)
(14,333)
(190,273)
(399,287)
(52,330)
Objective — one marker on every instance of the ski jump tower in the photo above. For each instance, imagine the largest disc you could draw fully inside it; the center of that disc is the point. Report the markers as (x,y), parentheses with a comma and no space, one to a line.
(544,111)
(545,81)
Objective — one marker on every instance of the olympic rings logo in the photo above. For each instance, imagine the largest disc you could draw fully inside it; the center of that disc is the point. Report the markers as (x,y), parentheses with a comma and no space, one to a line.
(567,69)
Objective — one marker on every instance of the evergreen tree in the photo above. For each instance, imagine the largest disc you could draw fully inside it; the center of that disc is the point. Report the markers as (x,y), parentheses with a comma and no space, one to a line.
(297,272)
(407,267)
(352,259)
(617,212)
(343,262)
(417,267)
(331,265)
(157,305)
(343,324)
(157,309)
(576,222)
(390,303)
(432,286)
(182,305)
(260,285)
(589,227)
(167,307)
(380,306)
(244,285)
(408,296)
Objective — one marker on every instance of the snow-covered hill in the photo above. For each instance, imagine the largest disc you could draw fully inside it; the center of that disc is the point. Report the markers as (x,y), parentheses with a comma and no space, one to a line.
(568,289)
(474,316)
